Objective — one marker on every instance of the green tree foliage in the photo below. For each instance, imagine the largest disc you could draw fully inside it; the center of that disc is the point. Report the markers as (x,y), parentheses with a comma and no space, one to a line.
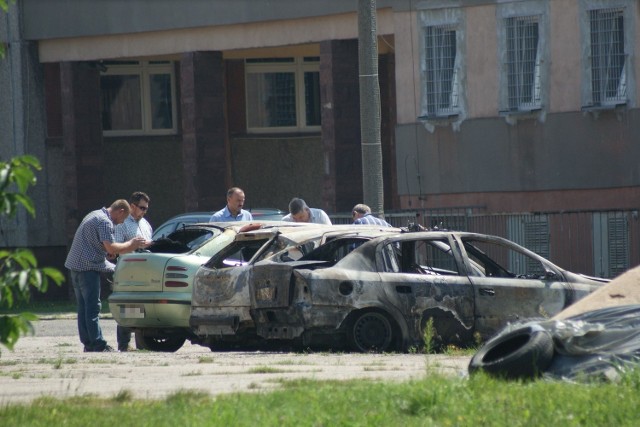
(19,271)
(4,6)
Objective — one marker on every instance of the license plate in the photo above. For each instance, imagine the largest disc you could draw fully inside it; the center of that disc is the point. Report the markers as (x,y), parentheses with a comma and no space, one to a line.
(132,311)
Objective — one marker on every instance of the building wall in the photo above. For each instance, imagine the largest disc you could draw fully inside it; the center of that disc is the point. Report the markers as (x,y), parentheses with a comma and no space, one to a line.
(540,156)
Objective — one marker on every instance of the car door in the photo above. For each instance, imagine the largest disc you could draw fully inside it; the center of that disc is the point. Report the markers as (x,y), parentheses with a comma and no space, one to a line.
(423,278)
(510,284)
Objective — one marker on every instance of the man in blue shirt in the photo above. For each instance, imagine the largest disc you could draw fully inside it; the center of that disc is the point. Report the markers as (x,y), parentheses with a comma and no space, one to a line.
(87,259)
(361,214)
(233,211)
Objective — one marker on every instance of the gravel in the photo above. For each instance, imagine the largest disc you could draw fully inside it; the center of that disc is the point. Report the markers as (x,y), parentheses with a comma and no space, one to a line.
(52,363)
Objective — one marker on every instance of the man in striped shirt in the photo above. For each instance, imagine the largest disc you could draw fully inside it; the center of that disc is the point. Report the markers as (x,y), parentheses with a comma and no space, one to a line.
(361,214)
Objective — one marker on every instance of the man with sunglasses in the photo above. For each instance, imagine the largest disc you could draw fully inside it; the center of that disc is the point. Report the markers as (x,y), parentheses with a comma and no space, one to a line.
(134,226)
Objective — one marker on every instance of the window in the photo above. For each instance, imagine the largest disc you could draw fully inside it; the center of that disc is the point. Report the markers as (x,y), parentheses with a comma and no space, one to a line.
(608,57)
(283,94)
(493,259)
(610,243)
(138,98)
(440,72)
(522,65)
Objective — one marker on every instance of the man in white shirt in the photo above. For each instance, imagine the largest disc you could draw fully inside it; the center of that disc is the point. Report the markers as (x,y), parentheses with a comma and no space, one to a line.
(135,225)
(300,212)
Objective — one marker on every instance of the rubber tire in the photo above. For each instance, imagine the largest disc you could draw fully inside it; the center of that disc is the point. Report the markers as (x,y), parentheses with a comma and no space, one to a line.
(371,332)
(524,353)
(169,344)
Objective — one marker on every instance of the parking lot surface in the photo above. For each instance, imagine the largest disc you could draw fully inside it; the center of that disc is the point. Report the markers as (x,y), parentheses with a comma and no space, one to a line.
(52,363)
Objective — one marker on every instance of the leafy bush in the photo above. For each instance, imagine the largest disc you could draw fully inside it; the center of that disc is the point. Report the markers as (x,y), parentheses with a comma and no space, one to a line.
(19,271)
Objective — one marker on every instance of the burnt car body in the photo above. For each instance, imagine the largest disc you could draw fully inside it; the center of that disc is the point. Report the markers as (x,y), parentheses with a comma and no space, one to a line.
(381,295)
(222,292)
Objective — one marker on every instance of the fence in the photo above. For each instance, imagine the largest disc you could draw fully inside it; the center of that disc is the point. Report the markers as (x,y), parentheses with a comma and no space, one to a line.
(596,243)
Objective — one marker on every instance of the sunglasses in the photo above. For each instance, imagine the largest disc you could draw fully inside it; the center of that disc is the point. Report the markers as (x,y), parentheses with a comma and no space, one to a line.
(143,208)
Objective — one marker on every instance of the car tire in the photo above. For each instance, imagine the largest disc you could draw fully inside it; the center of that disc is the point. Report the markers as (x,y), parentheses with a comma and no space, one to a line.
(520,354)
(168,344)
(371,331)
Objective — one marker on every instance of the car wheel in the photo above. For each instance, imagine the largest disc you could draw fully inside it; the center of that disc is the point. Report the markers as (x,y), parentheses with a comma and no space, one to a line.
(168,344)
(520,354)
(371,331)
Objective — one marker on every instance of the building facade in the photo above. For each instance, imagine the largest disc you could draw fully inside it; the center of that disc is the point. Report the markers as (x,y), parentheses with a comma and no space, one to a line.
(486,106)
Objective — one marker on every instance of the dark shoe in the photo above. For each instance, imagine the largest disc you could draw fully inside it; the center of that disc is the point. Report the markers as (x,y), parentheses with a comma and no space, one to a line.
(124,348)
(106,348)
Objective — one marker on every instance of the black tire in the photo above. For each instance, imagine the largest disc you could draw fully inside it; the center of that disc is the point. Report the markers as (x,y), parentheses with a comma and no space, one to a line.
(371,331)
(168,344)
(524,353)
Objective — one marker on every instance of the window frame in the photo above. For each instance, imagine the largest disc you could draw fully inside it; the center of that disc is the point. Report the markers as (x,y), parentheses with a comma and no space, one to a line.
(629,10)
(298,66)
(430,98)
(600,96)
(144,70)
(516,69)
(537,12)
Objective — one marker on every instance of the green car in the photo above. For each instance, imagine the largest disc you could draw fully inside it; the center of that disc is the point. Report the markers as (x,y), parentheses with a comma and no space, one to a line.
(152,289)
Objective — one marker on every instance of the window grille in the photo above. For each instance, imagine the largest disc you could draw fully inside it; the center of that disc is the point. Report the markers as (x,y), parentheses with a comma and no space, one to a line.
(523,63)
(283,94)
(441,76)
(608,58)
(618,245)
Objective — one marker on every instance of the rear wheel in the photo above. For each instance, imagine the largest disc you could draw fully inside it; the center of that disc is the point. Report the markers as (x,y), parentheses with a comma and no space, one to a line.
(166,344)
(371,331)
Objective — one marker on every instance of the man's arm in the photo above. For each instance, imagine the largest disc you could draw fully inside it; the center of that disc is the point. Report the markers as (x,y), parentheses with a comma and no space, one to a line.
(126,247)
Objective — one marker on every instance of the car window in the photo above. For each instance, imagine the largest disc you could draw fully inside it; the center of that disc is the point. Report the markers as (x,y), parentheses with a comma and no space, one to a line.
(391,255)
(164,230)
(334,250)
(283,249)
(423,256)
(216,244)
(236,254)
(494,259)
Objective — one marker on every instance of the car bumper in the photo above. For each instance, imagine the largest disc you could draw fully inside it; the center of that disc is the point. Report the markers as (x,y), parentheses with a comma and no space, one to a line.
(151,309)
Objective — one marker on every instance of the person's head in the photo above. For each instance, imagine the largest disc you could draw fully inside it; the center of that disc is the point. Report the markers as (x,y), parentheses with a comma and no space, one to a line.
(235,200)
(119,211)
(299,210)
(139,202)
(360,210)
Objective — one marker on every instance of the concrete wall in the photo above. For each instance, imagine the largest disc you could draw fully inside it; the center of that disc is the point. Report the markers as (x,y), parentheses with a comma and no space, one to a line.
(273,170)
(571,151)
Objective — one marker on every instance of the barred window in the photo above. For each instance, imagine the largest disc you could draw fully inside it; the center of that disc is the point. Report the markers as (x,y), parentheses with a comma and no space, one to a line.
(440,71)
(608,57)
(523,63)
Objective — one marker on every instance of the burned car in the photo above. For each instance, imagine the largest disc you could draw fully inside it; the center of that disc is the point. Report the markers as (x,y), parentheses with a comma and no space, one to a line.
(381,295)
(152,289)
(222,291)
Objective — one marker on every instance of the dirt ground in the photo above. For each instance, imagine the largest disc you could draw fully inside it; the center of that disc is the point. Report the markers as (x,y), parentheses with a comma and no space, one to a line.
(52,363)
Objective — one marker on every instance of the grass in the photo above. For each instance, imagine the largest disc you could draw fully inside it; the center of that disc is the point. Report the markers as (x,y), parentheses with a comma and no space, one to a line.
(434,401)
